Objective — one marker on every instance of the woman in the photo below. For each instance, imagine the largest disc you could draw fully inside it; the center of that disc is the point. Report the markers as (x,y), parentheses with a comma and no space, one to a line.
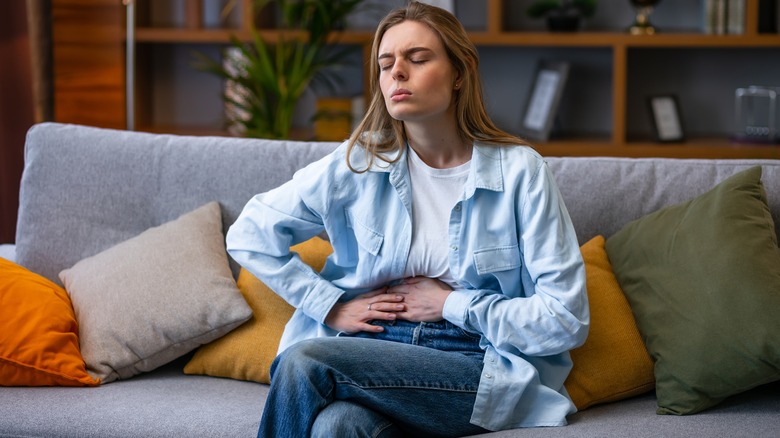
(456,285)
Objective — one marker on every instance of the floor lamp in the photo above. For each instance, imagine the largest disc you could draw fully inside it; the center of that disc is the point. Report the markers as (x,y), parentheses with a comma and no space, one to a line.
(130,65)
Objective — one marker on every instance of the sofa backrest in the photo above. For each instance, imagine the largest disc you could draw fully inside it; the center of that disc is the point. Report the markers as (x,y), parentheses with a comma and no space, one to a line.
(603,194)
(86,189)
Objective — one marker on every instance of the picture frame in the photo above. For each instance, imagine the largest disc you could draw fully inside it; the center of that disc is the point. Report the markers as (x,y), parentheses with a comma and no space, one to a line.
(665,115)
(541,105)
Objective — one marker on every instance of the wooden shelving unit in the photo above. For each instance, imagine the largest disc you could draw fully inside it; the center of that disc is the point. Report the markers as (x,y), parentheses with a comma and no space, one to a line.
(620,140)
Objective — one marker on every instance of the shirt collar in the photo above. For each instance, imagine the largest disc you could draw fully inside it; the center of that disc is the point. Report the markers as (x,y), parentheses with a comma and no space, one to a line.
(486,170)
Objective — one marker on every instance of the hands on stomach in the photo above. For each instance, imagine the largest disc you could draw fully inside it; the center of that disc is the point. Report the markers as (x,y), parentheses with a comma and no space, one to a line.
(415,299)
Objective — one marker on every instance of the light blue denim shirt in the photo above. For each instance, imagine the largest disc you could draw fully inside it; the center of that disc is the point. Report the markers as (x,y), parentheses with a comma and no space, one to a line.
(513,251)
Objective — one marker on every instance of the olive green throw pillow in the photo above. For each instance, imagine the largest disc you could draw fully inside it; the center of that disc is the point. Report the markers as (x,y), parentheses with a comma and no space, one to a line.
(703,281)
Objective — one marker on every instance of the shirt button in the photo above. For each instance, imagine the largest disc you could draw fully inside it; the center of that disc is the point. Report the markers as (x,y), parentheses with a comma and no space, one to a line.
(488,376)
(457,207)
(454,247)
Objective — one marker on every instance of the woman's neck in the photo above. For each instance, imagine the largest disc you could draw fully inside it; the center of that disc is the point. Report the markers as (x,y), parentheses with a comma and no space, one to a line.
(439,148)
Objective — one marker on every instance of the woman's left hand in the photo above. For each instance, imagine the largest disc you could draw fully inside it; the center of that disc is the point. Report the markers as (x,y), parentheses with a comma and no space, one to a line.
(424,298)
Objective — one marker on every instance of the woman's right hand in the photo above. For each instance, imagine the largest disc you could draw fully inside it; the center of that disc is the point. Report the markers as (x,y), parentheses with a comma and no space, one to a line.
(353,316)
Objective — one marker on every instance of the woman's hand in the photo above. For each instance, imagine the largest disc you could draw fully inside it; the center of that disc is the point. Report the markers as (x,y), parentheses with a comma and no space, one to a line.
(424,298)
(353,316)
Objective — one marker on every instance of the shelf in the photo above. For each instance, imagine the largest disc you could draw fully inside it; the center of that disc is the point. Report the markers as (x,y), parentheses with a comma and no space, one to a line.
(605,39)
(684,40)
(172,35)
(182,35)
(611,71)
(541,39)
(694,148)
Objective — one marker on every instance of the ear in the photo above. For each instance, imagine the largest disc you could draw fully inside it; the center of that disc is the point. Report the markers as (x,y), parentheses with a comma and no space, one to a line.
(458,80)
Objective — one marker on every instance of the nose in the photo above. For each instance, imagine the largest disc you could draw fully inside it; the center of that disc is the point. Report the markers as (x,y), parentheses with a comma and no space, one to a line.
(399,72)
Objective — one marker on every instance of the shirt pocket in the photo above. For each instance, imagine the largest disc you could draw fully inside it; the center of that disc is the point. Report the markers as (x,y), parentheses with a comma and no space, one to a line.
(502,258)
(368,239)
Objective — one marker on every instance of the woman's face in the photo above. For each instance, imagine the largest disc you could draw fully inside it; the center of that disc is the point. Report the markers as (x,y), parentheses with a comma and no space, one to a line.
(416,76)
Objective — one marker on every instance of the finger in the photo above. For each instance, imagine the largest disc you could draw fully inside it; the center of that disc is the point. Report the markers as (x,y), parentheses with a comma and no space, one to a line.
(371,328)
(385,308)
(387,298)
(364,327)
(414,280)
(383,316)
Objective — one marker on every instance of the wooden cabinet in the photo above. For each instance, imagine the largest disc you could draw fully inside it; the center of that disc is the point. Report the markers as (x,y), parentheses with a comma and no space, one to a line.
(603,109)
(88,62)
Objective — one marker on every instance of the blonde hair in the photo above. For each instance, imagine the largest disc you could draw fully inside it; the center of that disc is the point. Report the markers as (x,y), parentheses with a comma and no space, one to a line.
(379,134)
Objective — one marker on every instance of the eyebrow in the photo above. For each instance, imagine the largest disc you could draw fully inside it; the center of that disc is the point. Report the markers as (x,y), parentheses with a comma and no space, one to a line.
(406,52)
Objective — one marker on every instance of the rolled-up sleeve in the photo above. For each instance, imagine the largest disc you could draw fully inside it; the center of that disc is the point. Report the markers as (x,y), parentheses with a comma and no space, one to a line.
(260,241)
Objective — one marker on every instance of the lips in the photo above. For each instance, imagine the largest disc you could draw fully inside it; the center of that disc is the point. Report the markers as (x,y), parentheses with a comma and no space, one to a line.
(400,94)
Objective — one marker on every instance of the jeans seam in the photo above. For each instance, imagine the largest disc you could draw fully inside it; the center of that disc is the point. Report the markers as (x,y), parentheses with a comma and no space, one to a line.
(378,431)
(350,383)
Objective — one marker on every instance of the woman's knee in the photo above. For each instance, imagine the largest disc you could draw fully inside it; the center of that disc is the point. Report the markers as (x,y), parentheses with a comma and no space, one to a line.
(302,358)
(351,420)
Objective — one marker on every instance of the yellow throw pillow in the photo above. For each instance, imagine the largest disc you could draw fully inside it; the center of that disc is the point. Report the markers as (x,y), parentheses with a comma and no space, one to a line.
(39,343)
(246,353)
(613,364)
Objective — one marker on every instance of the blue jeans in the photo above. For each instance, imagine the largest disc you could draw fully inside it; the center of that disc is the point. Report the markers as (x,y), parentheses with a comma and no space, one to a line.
(413,379)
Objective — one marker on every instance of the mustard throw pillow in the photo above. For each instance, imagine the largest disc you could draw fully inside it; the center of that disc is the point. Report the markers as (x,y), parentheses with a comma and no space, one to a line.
(613,364)
(39,344)
(246,353)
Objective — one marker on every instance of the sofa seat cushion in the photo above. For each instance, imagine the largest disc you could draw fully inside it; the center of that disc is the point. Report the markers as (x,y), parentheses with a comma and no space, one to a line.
(155,297)
(703,280)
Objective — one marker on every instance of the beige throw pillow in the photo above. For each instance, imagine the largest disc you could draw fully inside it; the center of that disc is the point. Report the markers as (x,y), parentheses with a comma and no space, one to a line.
(155,297)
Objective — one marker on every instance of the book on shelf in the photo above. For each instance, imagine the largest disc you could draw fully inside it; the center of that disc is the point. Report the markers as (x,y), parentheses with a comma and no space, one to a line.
(735,17)
(721,17)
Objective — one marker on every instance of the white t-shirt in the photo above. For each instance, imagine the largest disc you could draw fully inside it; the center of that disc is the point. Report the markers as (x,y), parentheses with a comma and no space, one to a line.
(434,193)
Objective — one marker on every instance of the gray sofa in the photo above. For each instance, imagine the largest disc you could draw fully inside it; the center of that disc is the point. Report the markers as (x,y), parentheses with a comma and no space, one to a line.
(132,181)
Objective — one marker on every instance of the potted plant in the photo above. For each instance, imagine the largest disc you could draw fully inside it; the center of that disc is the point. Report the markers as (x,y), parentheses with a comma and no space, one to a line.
(271,76)
(562,15)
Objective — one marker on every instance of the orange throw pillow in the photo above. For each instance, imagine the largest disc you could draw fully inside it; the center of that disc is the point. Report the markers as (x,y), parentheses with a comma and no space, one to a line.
(613,364)
(39,343)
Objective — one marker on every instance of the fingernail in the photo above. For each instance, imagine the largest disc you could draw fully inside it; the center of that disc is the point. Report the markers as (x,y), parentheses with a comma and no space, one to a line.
(399,306)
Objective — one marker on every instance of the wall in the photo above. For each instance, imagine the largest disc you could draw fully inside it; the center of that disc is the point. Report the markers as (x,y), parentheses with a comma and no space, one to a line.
(16,109)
